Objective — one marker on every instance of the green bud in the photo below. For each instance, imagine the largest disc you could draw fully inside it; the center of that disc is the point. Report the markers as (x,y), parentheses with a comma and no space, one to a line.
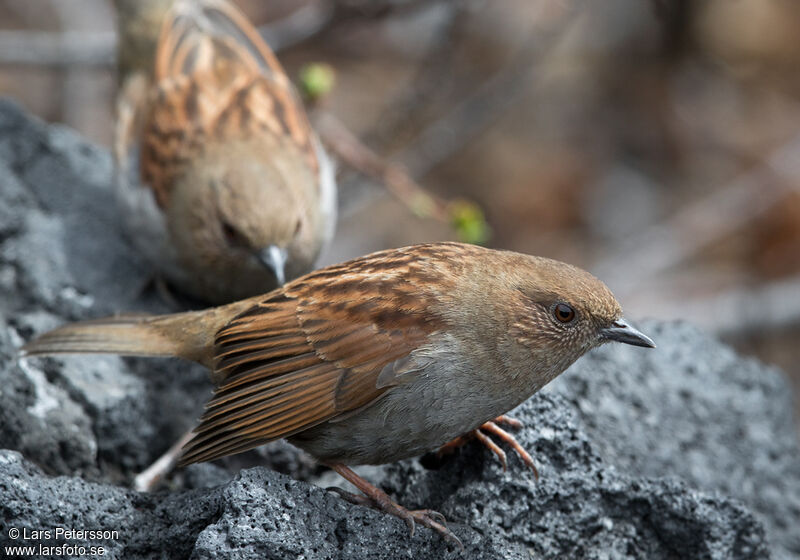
(317,80)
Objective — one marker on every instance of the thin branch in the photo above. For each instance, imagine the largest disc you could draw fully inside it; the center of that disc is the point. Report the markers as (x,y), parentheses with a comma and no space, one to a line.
(735,311)
(80,48)
(470,116)
(353,153)
(65,48)
(690,230)
(447,135)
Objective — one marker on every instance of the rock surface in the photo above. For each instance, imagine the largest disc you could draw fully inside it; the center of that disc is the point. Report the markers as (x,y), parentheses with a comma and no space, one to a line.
(687,451)
(695,410)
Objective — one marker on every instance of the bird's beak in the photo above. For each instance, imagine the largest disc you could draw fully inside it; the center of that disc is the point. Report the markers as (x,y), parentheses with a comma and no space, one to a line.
(274,258)
(621,331)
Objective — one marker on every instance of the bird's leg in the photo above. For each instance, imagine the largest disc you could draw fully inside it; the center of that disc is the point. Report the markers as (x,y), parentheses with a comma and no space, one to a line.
(454,444)
(483,433)
(146,480)
(378,499)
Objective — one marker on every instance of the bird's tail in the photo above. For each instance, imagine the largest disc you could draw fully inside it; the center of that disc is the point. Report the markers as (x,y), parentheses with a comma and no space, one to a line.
(184,335)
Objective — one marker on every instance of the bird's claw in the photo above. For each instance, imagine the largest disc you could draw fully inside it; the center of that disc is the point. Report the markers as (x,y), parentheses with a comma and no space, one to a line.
(378,499)
(509,421)
(483,433)
(494,429)
(432,520)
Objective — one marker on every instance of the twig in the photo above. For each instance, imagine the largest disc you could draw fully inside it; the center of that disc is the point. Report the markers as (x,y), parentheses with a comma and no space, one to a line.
(351,151)
(73,48)
(486,104)
(465,217)
(65,48)
(444,137)
(685,234)
(736,311)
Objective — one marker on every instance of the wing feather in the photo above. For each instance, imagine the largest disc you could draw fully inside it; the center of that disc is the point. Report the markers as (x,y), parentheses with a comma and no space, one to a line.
(311,352)
(273,403)
(274,369)
(215,80)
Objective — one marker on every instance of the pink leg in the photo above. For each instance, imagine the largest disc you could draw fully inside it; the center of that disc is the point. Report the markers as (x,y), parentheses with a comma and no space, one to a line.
(380,500)
(483,434)
(146,480)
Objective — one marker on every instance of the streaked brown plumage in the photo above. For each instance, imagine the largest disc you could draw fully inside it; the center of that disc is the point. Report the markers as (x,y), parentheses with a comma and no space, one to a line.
(239,194)
(379,358)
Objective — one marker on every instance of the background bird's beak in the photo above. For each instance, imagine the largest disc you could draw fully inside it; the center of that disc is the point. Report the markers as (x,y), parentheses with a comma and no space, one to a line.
(274,258)
(621,331)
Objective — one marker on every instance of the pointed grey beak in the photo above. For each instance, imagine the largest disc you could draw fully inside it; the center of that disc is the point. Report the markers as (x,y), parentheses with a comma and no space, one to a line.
(274,258)
(621,331)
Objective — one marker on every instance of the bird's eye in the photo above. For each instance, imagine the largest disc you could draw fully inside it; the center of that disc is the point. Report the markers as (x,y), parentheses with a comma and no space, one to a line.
(232,235)
(563,313)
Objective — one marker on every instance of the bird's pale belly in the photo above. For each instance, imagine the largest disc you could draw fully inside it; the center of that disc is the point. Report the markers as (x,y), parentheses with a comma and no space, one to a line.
(408,420)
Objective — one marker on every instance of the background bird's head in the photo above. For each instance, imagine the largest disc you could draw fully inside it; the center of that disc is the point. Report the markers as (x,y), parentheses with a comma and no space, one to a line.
(247,215)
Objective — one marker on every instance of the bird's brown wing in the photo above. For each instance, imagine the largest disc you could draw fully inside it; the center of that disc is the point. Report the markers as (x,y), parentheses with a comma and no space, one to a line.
(309,353)
(215,80)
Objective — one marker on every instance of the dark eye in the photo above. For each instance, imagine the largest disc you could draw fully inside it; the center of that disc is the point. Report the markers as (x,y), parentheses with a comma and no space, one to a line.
(231,234)
(563,313)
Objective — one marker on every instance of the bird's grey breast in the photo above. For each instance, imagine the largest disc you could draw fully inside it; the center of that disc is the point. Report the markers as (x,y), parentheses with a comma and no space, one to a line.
(440,394)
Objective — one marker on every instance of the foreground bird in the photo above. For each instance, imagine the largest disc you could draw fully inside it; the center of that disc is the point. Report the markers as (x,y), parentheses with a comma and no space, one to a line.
(377,359)
(235,193)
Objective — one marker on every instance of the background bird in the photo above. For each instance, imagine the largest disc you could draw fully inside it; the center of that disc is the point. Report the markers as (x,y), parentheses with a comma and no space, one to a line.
(223,184)
(376,359)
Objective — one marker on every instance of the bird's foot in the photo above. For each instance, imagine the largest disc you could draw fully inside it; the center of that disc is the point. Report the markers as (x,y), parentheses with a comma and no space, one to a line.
(378,499)
(483,433)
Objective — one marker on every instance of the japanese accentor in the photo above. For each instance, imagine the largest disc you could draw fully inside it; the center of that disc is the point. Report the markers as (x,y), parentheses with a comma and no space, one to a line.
(377,359)
(223,183)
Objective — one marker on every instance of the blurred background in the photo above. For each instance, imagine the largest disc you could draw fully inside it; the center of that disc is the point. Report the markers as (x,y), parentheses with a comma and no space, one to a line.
(655,143)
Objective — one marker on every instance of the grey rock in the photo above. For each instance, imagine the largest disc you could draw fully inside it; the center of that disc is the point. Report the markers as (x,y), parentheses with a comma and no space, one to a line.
(685,452)
(147,526)
(581,507)
(69,253)
(694,409)
(39,419)
(63,257)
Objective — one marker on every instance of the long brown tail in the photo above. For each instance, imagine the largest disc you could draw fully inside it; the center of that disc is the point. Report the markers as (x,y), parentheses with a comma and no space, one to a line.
(142,335)
(185,335)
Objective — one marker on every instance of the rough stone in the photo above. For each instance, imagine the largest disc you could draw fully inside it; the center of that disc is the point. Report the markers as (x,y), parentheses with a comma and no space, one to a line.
(694,409)
(688,451)
(147,526)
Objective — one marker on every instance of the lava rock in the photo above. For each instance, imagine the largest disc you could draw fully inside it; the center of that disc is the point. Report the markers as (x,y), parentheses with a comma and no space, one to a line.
(63,257)
(688,451)
(134,525)
(694,409)
(39,419)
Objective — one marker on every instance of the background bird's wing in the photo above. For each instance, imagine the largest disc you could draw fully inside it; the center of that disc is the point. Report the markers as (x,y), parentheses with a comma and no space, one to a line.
(215,80)
(323,346)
